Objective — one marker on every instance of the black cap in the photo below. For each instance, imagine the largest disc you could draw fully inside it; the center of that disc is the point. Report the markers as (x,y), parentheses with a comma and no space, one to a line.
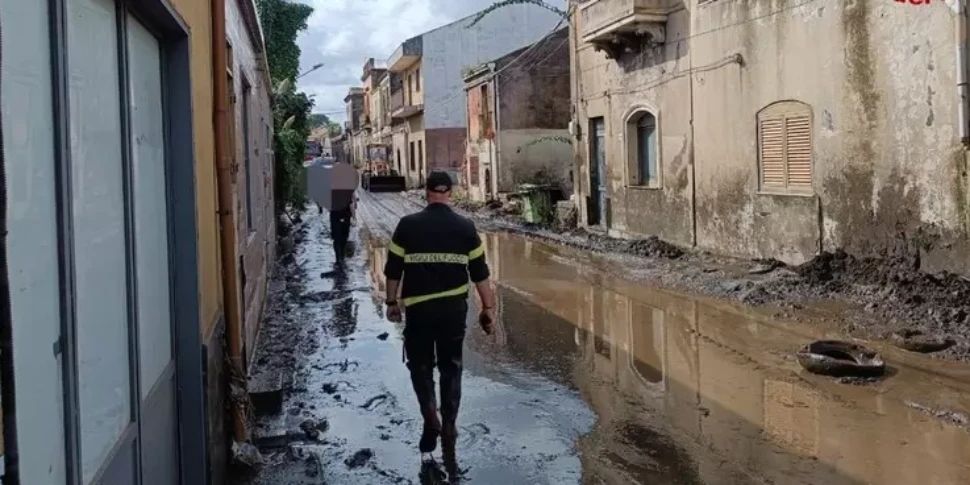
(438,182)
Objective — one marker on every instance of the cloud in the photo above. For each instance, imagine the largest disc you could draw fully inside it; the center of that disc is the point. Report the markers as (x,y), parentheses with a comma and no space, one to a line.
(343,34)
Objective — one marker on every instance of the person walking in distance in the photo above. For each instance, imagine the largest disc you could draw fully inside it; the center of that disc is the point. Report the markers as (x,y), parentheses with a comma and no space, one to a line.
(436,252)
(340,221)
(343,205)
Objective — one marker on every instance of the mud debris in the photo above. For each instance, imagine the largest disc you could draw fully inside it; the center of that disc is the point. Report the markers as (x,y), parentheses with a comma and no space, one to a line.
(359,459)
(314,429)
(375,401)
(654,247)
(954,417)
(383,336)
(884,294)
(246,458)
(313,466)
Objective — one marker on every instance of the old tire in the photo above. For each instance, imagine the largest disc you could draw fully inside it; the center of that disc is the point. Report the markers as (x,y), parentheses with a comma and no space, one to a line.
(840,359)
(917,341)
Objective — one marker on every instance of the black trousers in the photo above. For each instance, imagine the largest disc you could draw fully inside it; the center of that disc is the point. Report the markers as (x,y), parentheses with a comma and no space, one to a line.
(340,233)
(434,335)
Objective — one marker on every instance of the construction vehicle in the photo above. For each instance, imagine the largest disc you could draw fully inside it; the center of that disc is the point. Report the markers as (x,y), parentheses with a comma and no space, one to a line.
(378,175)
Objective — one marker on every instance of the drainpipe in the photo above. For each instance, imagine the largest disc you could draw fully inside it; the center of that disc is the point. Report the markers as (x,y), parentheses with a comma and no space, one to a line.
(496,169)
(223,154)
(962,89)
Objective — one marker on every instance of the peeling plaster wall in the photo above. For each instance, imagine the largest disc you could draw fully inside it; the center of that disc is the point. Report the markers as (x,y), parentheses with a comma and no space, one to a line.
(546,162)
(479,146)
(613,90)
(449,49)
(533,102)
(880,78)
(256,243)
(889,169)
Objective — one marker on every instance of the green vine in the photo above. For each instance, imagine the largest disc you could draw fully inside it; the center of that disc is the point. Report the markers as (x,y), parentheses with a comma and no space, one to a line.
(544,139)
(506,3)
(282,21)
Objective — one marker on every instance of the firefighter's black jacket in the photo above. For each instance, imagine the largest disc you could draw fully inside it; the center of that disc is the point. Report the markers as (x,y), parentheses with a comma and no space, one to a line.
(435,251)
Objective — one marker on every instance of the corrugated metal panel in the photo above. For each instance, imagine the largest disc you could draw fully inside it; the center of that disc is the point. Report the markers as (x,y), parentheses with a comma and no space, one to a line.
(772,134)
(798,134)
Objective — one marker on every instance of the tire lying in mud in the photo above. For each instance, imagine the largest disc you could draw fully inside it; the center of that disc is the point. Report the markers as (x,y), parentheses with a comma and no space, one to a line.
(917,341)
(840,359)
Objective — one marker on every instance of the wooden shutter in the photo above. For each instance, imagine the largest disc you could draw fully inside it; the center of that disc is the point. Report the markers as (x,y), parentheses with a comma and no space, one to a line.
(772,134)
(785,146)
(798,147)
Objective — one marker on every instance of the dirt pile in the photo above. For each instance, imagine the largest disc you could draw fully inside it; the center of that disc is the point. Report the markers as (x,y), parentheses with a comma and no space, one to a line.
(895,291)
(654,247)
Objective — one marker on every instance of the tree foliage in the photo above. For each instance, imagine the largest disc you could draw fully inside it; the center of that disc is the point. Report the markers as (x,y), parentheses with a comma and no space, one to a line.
(291,118)
(282,20)
(319,119)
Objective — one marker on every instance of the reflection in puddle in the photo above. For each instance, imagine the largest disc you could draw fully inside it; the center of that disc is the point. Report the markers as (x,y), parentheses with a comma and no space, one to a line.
(686,392)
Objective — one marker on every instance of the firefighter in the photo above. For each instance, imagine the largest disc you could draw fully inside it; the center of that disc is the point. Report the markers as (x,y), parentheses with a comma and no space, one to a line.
(436,252)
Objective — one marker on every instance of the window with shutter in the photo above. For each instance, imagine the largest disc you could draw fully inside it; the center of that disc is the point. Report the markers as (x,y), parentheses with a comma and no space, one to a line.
(785,147)
(641,150)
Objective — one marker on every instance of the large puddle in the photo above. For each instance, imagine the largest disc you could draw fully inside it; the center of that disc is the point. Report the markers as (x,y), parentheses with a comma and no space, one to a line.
(697,392)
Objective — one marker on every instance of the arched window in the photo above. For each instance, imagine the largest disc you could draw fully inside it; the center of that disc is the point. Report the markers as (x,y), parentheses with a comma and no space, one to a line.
(642,153)
(785,152)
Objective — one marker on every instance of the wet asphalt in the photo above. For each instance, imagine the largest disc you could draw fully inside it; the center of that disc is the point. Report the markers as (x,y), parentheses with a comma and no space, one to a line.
(589,379)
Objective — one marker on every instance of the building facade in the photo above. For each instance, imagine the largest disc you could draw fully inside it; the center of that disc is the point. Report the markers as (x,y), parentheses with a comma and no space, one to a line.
(112,103)
(251,137)
(518,120)
(432,102)
(759,131)
(354,127)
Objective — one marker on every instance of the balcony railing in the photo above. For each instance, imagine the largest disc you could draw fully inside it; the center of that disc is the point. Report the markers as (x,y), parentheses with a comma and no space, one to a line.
(615,26)
(397,100)
(405,112)
(406,54)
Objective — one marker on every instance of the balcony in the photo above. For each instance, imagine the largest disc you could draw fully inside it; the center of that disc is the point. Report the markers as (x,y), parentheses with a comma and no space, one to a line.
(406,55)
(405,112)
(618,26)
(397,101)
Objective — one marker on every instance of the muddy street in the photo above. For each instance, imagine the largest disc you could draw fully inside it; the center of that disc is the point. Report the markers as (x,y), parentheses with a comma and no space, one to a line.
(589,379)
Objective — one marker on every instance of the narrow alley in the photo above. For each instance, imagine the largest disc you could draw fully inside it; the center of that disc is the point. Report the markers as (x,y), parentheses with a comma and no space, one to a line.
(588,379)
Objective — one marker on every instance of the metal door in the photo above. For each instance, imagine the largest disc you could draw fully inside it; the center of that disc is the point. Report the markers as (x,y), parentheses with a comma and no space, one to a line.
(124,312)
(597,213)
(158,415)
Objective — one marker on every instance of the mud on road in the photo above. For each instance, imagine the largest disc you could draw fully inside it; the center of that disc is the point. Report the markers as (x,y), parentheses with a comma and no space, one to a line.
(590,378)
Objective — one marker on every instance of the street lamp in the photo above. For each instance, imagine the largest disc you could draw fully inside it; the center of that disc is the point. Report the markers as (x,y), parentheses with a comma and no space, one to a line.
(314,68)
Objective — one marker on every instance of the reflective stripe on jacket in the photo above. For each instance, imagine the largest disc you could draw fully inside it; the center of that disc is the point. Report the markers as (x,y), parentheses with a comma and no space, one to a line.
(435,252)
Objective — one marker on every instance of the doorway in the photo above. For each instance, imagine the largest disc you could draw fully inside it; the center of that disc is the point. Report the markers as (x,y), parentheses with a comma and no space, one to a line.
(596,205)
(488,184)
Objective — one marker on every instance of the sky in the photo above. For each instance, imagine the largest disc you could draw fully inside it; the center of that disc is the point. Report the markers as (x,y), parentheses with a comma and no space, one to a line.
(343,34)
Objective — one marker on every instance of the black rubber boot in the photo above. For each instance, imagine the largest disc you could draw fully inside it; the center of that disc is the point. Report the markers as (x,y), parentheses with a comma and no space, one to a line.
(450,402)
(423,381)
(449,440)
